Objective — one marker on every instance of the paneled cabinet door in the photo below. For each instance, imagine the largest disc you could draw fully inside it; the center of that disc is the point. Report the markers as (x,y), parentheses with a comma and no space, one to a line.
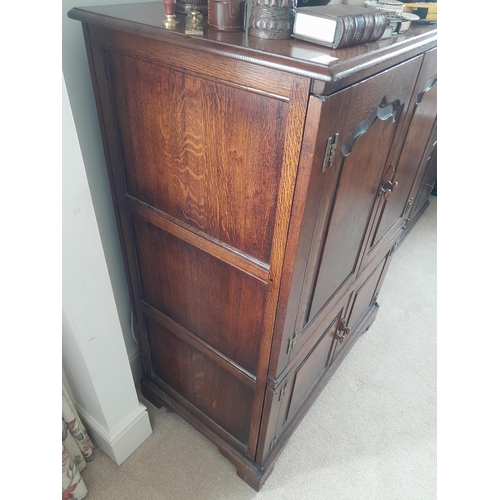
(286,403)
(400,176)
(363,302)
(425,183)
(360,122)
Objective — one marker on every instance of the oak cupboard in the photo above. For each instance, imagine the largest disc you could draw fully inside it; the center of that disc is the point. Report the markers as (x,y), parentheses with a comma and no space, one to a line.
(261,188)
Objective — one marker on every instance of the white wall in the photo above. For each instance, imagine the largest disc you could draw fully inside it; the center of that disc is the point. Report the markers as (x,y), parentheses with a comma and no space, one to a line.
(98,344)
(94,356)
(81,98)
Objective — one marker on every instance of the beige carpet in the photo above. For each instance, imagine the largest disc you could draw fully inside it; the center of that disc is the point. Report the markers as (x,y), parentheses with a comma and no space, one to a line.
(370,435)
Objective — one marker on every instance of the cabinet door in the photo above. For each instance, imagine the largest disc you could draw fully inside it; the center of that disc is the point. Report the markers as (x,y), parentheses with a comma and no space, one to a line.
(424,185)
(362,121)
(363,301)
(285,404)
(400,176)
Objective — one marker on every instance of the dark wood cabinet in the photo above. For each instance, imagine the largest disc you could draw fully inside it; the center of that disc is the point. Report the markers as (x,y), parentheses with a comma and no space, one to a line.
(260,188)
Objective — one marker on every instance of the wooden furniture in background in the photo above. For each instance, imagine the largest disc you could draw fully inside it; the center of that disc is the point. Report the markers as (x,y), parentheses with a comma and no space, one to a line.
(261,188)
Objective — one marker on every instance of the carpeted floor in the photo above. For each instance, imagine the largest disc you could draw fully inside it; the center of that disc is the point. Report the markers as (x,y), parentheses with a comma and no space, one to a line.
(370,435)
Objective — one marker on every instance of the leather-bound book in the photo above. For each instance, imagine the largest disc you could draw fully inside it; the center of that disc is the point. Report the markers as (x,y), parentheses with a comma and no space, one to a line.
(339,26)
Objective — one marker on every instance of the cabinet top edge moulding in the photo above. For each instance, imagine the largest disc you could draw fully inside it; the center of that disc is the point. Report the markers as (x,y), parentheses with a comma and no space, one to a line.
(331,69)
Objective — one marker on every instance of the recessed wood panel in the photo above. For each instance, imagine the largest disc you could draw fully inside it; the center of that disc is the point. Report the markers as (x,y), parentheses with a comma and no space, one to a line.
(424,114)
(354,201)
(365,118)
(214,300)
(364,296)
(210,388)
(309,372)
(208,154)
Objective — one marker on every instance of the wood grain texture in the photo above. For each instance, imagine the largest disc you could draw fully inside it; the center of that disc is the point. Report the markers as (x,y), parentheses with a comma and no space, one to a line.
(213,300)
(196,238)
(213,66)
(189,152)
(422,116)
(204,347)
(211,389)
(309,184)
(293,130)
(367,117)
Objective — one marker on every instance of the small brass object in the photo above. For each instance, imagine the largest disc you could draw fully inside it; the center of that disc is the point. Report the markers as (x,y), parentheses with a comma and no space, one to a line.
(169,21)
(193,23)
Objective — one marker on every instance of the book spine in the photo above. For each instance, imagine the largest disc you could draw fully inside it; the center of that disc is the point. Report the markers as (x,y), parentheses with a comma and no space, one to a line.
(346,32)
(359,29)
(380,25)
(369,28)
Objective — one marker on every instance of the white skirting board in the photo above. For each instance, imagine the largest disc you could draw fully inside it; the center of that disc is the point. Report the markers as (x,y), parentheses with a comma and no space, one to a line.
(121,443)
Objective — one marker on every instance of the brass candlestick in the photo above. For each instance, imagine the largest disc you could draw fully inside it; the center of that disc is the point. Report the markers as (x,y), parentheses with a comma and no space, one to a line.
(169,22)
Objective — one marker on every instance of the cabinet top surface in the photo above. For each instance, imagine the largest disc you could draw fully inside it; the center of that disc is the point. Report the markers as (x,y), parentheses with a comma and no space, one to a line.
(296,56)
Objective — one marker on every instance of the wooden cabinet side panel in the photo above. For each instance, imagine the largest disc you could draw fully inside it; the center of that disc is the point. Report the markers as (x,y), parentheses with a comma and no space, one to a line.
(215,301)
(212,390)
(235,180)
(205,153)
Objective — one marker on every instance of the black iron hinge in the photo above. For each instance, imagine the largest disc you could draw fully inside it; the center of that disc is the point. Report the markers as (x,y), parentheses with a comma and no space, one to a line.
(291,342)
(331,147)
(273,442)
(408,206)
(283,391)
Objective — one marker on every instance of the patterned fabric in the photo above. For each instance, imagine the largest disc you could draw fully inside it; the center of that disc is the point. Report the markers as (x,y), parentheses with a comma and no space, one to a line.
(76,451)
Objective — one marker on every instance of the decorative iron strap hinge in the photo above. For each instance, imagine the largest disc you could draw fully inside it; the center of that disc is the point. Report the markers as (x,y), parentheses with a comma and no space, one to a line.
(283,391)
(407,209)
(291,342)
(408,206)
(273,442)
(331,147)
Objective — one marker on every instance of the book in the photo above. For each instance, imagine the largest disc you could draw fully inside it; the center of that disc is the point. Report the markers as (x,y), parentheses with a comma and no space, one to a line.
(338,26)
